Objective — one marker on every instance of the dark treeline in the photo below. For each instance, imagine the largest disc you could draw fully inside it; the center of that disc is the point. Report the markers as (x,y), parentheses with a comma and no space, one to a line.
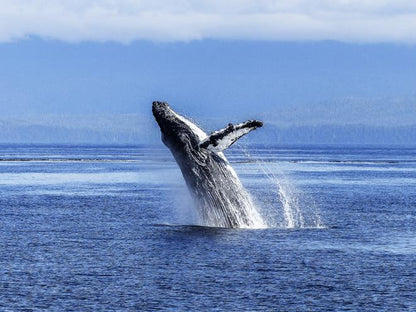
(322,134)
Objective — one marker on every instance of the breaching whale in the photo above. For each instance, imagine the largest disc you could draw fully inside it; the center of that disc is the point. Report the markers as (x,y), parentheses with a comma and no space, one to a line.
(220,197)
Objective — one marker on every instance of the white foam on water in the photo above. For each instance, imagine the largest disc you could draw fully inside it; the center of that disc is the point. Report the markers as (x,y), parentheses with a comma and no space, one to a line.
(185,212)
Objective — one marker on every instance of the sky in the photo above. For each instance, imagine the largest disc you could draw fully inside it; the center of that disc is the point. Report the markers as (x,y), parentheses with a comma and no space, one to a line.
(186,20)
(290,63)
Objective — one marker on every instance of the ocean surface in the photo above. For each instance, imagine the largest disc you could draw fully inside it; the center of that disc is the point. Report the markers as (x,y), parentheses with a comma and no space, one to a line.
(109,228)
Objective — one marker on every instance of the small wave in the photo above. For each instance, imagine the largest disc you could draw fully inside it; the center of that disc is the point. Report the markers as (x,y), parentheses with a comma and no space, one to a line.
(207,227)
(202,227)
(361,162)
(302,228)
(65,160)
(347,161)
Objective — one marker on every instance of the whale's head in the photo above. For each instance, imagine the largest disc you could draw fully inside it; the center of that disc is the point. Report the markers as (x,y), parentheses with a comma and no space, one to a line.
(178,133)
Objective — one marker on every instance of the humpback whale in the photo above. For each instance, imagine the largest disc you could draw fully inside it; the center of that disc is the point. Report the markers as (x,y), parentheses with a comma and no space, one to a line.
(221,199)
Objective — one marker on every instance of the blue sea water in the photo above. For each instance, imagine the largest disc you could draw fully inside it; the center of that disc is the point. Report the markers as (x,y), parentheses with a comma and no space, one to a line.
(110,228)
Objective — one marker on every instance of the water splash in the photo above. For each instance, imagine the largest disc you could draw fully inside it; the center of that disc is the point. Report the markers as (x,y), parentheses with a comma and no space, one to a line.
(221,202)
(285,206)
(282,205)
(237,210)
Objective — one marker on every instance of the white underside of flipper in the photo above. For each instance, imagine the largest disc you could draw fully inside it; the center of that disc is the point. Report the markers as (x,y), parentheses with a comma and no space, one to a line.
(222,139)
(227,140)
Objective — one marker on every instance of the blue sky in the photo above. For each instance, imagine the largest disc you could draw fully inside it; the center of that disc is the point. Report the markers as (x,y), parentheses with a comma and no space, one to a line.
(333,62)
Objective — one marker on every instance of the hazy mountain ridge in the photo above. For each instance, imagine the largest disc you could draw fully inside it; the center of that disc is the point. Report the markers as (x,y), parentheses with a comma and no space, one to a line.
(338,134)
(394,111)
(137,129)
(104,129)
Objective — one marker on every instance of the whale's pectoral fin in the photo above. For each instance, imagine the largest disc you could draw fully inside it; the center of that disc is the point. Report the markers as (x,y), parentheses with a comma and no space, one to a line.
(220,140)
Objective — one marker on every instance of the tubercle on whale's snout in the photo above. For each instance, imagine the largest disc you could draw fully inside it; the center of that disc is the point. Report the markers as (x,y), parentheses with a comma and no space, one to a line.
(162,113)
(158,107)
(159,103)
(255,123)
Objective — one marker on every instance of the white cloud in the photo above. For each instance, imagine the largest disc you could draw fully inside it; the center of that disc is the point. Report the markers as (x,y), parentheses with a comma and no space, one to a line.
(184,20)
